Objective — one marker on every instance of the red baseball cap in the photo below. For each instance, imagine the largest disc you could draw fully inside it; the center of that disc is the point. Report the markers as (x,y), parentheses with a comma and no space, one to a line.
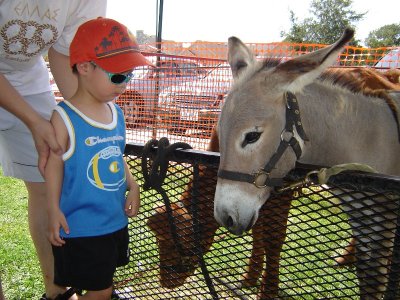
(108,44)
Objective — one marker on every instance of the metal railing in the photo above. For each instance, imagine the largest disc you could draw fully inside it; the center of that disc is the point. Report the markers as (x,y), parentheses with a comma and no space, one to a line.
(178,251)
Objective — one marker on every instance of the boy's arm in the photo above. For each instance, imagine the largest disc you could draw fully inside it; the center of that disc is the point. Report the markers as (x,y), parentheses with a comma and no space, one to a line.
(132,202)
(54,174)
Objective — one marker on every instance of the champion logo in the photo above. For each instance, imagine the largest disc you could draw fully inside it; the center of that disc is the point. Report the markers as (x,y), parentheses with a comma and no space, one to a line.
(94,140)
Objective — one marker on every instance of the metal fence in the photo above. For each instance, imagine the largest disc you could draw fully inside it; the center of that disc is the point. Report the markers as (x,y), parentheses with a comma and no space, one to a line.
(180,252)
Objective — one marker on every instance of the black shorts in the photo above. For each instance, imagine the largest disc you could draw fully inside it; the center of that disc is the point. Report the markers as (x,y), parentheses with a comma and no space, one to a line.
(89,263)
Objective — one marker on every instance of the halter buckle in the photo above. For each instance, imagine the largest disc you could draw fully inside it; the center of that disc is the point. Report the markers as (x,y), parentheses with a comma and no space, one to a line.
(286,135)
(257,174)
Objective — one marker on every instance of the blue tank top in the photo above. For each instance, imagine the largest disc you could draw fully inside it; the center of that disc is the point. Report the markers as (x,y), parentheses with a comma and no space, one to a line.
(94,184)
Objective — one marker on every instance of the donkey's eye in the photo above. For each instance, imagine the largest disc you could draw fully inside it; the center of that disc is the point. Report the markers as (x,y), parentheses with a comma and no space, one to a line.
(251,137)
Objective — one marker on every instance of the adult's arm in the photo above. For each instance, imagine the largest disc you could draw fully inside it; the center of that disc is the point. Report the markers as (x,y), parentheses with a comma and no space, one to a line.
(42,131)
(67,82)
(58,54)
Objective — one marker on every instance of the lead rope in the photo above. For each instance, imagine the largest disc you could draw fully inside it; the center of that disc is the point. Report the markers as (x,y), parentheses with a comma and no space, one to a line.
(157,175)
(155,180)
(323,175)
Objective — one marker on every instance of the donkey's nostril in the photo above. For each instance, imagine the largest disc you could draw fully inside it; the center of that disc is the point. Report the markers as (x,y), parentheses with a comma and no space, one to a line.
(229,222)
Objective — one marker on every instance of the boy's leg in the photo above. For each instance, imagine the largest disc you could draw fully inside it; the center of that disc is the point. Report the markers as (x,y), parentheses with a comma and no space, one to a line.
(37,217)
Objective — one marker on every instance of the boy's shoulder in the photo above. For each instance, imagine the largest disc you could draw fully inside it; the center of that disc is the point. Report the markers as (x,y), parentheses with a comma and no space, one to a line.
(117,107)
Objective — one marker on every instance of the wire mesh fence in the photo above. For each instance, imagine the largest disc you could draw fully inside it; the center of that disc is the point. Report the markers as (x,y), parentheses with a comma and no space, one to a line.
(180,252)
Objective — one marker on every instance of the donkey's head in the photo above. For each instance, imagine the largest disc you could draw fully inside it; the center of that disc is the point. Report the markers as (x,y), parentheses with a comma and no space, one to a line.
(260,130)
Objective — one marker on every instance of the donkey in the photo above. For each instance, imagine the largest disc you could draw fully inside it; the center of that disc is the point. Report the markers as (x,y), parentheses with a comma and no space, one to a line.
(274,117)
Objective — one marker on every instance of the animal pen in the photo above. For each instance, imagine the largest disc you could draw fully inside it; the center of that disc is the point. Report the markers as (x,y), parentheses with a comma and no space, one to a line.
(178,251)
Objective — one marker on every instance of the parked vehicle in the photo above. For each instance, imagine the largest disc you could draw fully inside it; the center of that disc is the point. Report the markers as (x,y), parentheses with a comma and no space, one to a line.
(139,101)
(196,104)
(390,61)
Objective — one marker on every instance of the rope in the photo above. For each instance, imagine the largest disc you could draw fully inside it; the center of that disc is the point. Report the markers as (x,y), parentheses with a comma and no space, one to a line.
(325,173)
(159,168)
(157,175)
(155,179)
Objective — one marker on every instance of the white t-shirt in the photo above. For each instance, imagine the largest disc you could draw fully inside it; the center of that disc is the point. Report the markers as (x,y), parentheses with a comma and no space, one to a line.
(28,28)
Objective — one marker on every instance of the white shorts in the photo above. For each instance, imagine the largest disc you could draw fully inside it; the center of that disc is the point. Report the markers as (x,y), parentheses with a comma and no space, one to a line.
(18,155)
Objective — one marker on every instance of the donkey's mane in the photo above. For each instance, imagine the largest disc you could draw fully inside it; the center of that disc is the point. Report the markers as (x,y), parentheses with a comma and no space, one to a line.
(359,80)
(368,82)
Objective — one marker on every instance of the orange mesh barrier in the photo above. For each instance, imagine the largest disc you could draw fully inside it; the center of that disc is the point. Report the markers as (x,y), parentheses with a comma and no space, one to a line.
(182,97)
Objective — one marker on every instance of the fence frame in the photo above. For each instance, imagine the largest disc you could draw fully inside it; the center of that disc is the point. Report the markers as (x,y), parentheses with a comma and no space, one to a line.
(376,182)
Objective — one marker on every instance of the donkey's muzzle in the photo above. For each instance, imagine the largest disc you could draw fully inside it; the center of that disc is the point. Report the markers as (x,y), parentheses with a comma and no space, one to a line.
(231,223)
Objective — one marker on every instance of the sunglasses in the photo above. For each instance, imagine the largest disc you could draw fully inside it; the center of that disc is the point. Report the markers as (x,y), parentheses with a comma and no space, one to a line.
(116,78)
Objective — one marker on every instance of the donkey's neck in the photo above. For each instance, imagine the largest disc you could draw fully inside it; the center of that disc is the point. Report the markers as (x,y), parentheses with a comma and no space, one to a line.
(344,127)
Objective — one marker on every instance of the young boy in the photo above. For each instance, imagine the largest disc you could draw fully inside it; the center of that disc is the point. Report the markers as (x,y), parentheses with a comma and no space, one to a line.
(87,202)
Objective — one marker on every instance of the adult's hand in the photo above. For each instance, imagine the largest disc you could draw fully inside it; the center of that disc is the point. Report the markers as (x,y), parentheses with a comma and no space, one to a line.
(42,130)
(45,141)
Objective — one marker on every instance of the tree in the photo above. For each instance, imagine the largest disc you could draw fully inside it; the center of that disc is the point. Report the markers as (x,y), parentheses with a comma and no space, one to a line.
(329,19)
(385,36)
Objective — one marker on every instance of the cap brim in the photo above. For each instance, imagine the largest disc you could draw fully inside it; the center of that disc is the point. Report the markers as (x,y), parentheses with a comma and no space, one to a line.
(123,62)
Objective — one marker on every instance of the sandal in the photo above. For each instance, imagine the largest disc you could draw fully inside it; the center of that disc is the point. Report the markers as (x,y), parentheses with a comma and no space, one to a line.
(43,297)
(65,296)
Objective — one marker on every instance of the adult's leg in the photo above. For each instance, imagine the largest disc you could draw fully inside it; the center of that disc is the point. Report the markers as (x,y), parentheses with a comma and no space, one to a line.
(19,158)
(37,217)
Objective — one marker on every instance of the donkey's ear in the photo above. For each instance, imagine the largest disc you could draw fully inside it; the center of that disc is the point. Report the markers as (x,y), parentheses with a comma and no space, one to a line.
(304,69)
(239,56)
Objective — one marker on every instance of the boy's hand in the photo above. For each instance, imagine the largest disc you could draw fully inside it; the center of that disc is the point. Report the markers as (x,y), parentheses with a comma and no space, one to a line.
(56,221)
(132,202)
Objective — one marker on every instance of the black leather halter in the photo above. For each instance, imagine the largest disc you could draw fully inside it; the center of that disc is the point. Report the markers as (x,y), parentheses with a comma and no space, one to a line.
(262,179)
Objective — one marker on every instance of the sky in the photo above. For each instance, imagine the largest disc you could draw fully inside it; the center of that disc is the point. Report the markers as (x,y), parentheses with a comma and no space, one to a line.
(253,21)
